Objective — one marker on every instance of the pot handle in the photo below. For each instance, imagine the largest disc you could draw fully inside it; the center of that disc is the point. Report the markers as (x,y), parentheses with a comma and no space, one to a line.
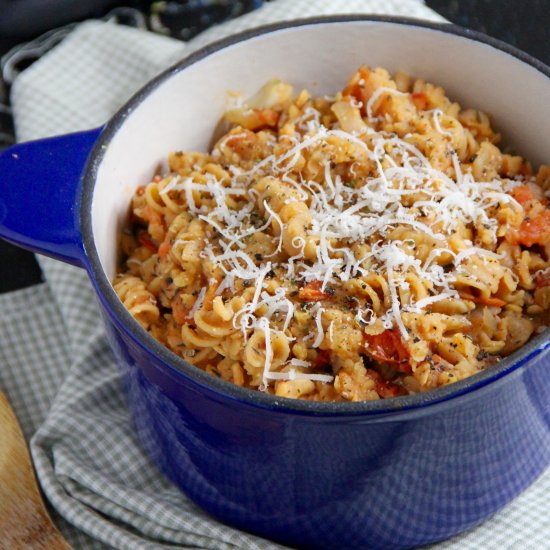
(40,192)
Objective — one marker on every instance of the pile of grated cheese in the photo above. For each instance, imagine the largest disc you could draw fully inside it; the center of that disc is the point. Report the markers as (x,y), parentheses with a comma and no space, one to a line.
(341,214)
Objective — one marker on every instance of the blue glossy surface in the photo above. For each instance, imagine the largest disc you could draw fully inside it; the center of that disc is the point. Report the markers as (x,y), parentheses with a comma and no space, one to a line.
(40,187)
(395,480)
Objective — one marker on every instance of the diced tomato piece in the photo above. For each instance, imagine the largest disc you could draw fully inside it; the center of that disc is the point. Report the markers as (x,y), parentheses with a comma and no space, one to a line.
(523,194)
(312,292)
(388,348)
(269,117)
(535,230)
(145,240)
(420,99)
(323,358)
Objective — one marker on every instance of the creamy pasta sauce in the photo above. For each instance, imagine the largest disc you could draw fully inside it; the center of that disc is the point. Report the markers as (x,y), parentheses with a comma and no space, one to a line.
(356,247)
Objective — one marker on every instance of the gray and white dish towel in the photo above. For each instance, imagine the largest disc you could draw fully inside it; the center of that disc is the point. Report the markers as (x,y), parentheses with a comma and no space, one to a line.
(55,364)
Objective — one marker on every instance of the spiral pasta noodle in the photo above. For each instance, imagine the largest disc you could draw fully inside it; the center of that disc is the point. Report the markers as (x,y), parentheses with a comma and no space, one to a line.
(363,246)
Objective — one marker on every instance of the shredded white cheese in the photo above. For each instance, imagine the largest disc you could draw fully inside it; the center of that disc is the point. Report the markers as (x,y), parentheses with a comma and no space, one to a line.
(341,213)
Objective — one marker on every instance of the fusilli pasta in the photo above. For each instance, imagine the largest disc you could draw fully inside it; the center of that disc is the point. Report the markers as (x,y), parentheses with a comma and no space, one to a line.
(356,247)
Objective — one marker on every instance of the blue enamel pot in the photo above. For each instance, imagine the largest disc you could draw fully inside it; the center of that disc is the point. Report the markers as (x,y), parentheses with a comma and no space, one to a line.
(387,474)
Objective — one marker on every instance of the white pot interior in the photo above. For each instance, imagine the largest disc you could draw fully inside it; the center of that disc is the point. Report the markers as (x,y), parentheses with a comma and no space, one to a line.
(183,111)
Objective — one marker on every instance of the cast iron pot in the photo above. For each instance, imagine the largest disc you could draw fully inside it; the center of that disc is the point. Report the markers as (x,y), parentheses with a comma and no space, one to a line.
(385,474)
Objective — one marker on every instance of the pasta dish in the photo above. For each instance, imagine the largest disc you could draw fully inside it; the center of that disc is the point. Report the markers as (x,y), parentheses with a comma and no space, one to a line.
(368,245)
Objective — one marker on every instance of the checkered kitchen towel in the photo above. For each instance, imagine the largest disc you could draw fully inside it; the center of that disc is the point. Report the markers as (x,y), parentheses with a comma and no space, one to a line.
(55,364)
